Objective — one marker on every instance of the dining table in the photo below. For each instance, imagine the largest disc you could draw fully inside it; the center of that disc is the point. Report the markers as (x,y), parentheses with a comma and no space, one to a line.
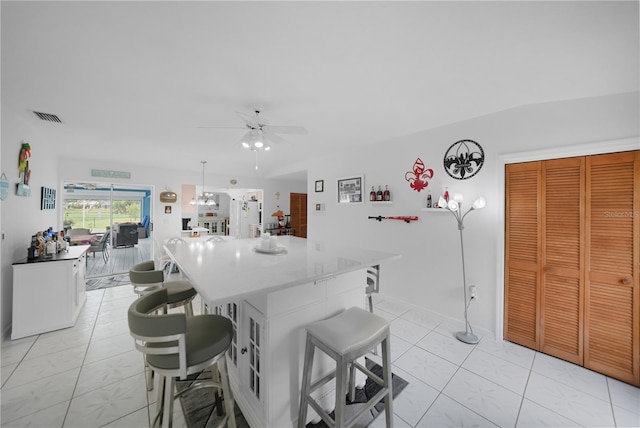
(271,289)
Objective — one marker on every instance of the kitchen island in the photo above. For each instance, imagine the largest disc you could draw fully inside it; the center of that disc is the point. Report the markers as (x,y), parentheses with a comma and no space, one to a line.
(270,296)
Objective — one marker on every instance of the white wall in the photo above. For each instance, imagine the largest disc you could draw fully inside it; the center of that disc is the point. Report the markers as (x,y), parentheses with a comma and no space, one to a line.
(429,272)
(21,216)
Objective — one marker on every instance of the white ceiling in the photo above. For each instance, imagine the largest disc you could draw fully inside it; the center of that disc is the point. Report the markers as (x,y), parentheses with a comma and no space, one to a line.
(141,77)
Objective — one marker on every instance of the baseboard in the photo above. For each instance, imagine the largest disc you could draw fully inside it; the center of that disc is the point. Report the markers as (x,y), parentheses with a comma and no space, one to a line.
(479,330)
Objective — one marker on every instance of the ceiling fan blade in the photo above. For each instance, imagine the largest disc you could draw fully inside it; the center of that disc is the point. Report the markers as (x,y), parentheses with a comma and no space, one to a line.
(294,130)
(270,136)
(222,127)
(251,121)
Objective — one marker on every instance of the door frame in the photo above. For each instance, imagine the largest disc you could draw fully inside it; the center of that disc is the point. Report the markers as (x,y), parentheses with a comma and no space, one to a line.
(598,148)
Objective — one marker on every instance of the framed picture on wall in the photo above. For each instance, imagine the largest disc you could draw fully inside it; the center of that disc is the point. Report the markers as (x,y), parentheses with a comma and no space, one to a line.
(48,199)
(350,190)
(319,185)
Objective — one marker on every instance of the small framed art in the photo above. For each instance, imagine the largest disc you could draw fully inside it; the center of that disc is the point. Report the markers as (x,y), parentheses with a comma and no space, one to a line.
(350,190)
(48,199)
(319,185)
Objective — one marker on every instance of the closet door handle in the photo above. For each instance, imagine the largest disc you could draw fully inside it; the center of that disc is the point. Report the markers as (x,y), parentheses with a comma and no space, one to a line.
(625,281)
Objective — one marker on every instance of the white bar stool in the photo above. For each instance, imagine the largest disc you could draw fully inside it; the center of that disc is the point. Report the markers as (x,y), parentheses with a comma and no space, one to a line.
(345,338)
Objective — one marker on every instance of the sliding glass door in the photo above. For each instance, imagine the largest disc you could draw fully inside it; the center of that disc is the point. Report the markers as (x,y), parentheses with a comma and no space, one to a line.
(114,220)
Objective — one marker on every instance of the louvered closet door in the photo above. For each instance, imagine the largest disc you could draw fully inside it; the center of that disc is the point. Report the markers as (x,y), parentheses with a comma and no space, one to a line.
(522,254)
(561,303)
(612,320)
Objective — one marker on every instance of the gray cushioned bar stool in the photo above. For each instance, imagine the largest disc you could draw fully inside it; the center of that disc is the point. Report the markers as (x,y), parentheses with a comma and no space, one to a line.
(145,277)
(176,346)
(345,338)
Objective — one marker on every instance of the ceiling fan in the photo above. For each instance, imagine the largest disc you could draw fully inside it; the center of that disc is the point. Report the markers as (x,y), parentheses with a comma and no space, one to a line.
(259,132)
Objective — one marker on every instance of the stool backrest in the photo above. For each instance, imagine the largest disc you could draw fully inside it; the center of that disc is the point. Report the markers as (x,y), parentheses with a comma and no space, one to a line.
(373,279)
(146,273)
(162,338)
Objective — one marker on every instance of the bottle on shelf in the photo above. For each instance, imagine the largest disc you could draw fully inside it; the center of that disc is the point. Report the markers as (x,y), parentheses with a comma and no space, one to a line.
(446,194)
(372,194)
(429,200)
(386,196)
(379,194)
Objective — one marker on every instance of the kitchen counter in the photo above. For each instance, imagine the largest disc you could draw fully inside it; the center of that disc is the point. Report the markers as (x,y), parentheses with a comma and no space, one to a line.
(270,298)
(233,270)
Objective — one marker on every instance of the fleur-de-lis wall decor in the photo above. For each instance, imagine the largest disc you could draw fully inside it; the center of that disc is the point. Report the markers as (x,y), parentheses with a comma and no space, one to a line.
(419,176)
(464,159)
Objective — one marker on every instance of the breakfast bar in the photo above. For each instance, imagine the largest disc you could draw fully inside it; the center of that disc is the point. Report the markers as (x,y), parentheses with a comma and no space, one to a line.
(270,294)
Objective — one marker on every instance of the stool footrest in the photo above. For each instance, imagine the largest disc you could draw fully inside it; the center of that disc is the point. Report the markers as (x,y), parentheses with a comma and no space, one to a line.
(369,374)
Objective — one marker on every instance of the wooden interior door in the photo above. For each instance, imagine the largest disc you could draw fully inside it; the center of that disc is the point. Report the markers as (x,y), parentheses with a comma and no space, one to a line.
(298,209)
(612,311)
(562,270)
(522,253)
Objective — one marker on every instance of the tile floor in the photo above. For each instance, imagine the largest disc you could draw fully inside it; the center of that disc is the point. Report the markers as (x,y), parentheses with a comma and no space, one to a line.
(91,376)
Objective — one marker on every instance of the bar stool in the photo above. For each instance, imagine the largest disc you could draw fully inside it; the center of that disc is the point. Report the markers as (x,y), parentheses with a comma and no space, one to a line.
(144,278)
(176,346)
(345,338)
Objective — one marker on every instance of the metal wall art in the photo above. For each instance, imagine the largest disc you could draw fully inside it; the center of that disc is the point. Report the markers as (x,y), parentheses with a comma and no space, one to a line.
(418,177)
(24,172)
(464,159)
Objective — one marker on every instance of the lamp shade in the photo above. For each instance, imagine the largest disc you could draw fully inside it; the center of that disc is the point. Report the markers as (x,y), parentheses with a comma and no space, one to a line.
(479,203)
(453,205)
(441,202)
(457,197)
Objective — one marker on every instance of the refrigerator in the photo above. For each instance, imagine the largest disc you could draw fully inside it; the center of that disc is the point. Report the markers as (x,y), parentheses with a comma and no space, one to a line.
(243,214)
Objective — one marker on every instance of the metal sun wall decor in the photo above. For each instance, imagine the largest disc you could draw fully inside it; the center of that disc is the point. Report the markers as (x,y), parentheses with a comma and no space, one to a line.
(464,159)
(418,177)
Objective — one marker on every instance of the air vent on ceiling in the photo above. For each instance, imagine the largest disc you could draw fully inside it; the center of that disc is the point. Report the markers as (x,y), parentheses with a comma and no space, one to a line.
(48,117)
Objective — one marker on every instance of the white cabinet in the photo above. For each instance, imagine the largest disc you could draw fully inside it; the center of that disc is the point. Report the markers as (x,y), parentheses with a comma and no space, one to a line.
(48,294)
(266,356)
(215,225)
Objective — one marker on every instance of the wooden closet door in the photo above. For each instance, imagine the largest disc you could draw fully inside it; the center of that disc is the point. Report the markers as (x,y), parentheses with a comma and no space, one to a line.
(562,272)
(612,320)
(522,253)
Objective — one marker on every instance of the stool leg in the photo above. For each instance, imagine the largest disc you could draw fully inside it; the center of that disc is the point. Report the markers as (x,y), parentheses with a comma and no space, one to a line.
(188,309)
(352,382)
(229,403)
(306,382)
(386,364)
(341,381)
(167,414)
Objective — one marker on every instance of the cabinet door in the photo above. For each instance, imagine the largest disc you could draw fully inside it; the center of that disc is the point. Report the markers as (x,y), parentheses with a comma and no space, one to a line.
(562,275)
(522,253)
(251,360)
(612,334)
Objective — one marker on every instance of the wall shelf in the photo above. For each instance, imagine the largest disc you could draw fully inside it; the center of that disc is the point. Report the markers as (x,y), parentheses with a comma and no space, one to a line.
(444,210)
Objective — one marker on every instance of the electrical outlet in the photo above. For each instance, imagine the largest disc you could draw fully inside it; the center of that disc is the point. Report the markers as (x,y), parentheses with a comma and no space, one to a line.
(473,292)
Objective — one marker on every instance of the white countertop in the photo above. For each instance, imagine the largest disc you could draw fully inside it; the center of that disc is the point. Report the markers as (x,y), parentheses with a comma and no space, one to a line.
(232,270)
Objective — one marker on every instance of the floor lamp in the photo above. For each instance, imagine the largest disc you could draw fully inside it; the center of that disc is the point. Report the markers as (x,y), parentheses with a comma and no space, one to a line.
(455,207)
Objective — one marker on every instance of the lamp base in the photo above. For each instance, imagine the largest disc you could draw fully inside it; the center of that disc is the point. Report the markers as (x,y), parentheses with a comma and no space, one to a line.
(466,337)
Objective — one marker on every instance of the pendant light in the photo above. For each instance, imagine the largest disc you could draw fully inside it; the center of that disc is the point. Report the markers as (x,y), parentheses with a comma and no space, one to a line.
(203,198)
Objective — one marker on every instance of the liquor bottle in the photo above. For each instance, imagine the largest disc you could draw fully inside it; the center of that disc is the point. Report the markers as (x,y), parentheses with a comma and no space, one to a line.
(446,194)
(429,200)
(372,194)
(379,194)
(386,196)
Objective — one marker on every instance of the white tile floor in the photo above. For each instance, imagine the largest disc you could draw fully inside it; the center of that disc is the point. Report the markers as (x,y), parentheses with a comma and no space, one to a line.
(91,376)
